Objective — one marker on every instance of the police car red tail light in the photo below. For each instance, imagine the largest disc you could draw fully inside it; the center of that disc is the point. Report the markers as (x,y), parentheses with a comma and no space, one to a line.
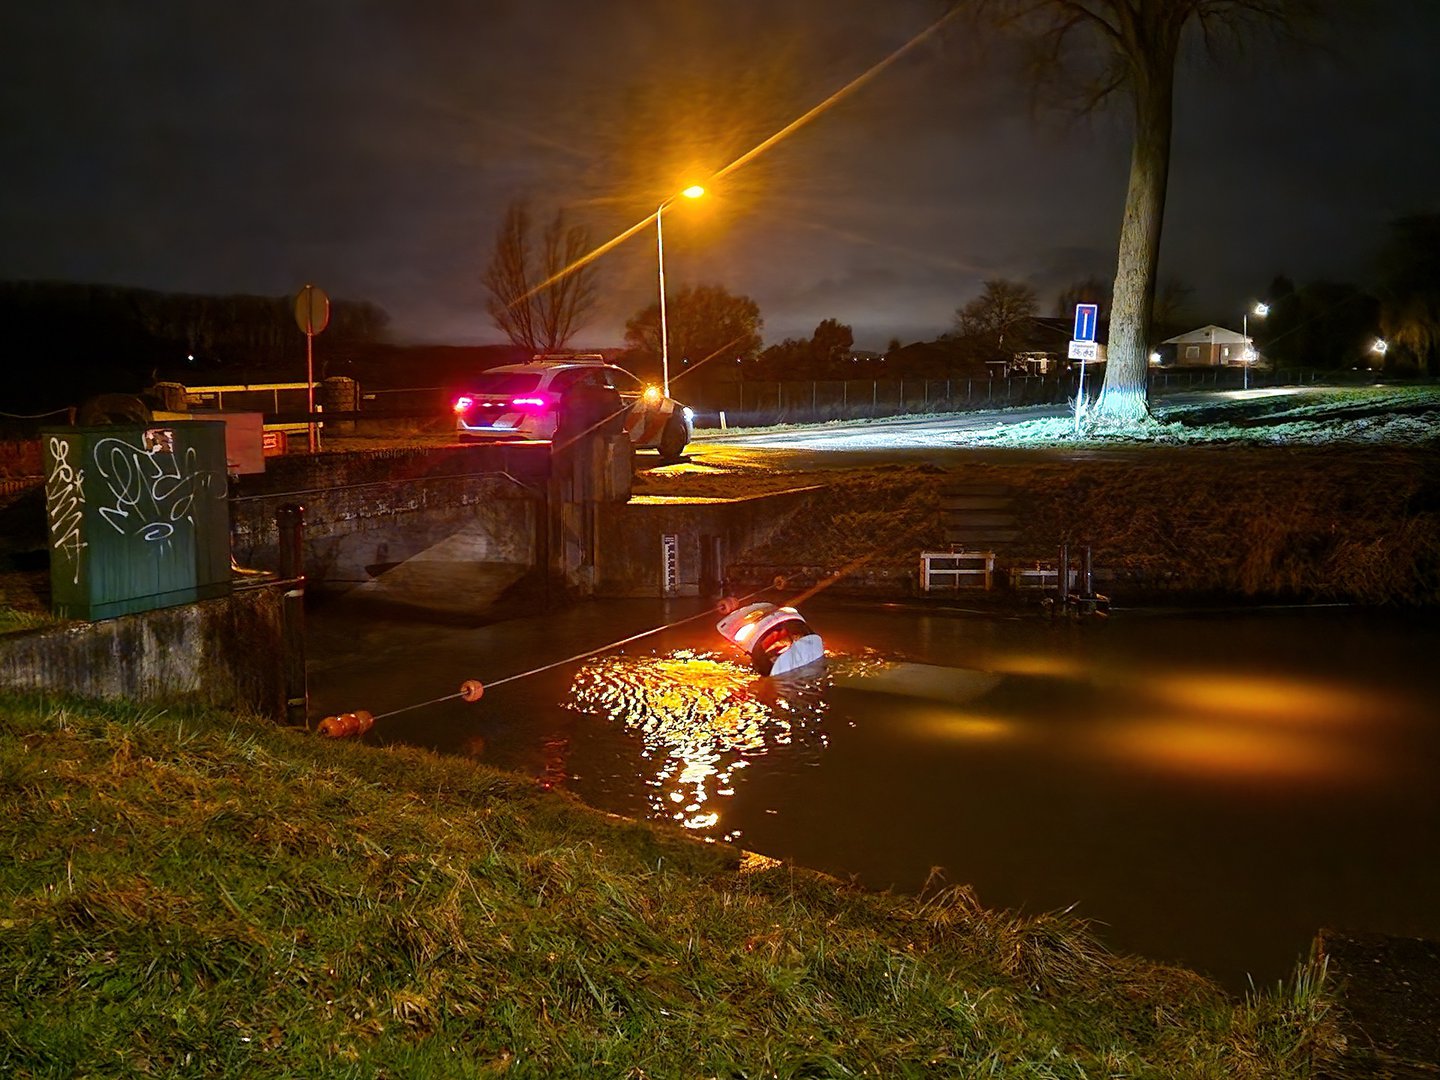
(463,404)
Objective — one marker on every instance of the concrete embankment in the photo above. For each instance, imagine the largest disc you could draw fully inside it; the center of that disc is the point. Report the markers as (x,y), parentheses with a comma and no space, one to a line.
(225,652)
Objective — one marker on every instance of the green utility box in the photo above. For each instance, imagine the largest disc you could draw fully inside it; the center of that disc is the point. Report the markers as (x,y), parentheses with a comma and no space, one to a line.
(138,516)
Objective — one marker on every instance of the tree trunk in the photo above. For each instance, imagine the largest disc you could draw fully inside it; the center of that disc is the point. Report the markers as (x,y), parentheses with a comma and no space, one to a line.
(1123,396)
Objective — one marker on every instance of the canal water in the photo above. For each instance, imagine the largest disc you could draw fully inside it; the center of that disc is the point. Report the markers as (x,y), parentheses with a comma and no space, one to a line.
(1210,789)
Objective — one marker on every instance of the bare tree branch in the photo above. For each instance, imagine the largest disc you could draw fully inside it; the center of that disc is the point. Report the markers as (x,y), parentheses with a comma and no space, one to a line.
(540,319)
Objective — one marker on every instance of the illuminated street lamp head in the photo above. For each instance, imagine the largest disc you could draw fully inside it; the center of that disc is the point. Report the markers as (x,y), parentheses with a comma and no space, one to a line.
(1260,310)
(1380,347)
(694,191)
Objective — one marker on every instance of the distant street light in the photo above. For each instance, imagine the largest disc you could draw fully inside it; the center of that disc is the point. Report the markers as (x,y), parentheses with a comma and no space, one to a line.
(694,191)
(1260,310)
(1381,347)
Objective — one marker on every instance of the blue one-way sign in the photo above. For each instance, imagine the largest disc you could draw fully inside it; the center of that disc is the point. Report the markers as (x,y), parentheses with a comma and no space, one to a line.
(1086,316)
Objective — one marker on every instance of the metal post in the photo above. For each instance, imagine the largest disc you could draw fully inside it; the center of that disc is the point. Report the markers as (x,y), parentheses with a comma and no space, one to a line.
(1085,588)
(310,391)
(1064,575)
(1245,355)
(290,525)
(664,337)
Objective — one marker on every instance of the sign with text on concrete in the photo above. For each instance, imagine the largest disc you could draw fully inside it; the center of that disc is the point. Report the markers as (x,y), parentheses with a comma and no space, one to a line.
(1086,351)
(1087,318)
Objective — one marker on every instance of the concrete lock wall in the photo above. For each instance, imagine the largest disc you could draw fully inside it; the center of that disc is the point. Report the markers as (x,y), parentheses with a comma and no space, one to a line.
(225,653)
(630,549)
(367,513)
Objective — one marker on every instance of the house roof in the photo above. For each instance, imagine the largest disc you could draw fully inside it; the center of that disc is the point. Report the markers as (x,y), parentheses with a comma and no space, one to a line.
(1207,335)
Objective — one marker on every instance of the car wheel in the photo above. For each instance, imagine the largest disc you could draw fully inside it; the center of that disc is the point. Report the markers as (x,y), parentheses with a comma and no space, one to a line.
(672,440)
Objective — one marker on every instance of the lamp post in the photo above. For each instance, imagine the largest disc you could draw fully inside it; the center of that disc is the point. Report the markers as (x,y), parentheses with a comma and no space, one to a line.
(692,192)
(1260,310)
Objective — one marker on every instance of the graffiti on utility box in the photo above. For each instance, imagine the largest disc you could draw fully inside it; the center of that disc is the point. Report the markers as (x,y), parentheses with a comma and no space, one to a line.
(64,505)
(149,489)
(138,517)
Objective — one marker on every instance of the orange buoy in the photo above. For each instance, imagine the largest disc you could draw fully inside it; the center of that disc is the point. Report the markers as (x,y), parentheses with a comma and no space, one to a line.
(346,724)
(779,581)
(727,604)
(472,690)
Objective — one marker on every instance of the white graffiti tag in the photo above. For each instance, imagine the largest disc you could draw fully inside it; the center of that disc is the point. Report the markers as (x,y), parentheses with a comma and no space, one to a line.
(64,502)
(151,488)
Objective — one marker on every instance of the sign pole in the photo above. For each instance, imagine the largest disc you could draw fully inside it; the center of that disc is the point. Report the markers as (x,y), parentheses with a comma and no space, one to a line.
(1084,349)
(310,389)
(312,315)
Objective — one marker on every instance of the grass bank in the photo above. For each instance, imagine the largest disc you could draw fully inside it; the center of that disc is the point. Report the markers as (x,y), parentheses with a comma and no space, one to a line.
(1337,523)
(190,893)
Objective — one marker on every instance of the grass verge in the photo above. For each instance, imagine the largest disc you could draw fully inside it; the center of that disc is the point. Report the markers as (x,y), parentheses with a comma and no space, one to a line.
(192,893)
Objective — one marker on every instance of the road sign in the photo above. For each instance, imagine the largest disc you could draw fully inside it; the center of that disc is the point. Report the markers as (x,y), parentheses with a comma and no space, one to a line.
(1087,316)
(1086,351)
(312,310)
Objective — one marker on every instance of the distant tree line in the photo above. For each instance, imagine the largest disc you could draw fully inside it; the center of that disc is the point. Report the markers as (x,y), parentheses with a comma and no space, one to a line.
(65,341)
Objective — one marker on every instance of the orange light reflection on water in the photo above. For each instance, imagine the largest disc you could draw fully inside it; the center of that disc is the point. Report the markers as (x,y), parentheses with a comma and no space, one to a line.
(1251,725)
(964,726)
(1268,697)
(1210,745)
(701,716)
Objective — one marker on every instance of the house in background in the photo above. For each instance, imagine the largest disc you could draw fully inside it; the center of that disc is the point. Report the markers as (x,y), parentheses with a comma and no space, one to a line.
(1041,345)
(1209,346)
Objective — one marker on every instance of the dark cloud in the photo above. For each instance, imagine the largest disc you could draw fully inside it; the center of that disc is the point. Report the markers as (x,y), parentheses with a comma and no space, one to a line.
(372,147)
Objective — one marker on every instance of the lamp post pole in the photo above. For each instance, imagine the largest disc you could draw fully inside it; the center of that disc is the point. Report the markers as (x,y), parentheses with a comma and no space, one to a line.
(1260,310)
(1245,356)
(692,192)
(664,332)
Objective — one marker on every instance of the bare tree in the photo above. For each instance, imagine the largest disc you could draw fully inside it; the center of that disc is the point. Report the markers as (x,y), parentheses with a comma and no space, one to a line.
(1137,43)
(1090,290)
(535,305)
(996,312)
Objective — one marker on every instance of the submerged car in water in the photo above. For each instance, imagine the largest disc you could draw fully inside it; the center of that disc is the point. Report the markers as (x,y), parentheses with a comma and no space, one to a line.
(525,401)
(778,640)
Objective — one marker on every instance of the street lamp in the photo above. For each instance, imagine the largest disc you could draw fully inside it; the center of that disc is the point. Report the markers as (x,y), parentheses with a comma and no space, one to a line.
(1259,311)
(692,192)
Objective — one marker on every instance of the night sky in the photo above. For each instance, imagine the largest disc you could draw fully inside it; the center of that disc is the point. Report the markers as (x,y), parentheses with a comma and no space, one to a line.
(371,147)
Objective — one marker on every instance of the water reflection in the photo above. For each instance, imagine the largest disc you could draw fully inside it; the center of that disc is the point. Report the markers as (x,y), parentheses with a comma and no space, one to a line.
(702,716)
(1211,789)
(1291,700)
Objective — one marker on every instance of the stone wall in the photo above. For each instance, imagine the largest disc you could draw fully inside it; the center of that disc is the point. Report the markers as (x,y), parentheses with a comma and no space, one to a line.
(225,652)
(629,550)
(367,512)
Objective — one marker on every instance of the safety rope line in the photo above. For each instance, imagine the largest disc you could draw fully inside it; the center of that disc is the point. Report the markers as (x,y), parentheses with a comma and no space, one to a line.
(708,612)
(34,416)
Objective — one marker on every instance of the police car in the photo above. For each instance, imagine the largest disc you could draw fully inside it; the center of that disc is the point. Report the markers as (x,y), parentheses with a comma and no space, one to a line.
(523,401)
